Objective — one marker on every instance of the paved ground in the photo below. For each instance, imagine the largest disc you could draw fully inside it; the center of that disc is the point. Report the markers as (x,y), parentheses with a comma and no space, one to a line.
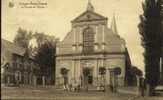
(53,94)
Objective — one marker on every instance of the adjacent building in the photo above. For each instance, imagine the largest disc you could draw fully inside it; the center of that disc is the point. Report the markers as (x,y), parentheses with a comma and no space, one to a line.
(91,44)
(16,67)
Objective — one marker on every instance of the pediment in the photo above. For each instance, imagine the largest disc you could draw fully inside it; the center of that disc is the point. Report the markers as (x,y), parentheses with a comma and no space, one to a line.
(89,15)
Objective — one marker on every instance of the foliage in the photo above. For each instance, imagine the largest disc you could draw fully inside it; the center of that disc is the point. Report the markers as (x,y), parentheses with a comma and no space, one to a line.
(102,70)
(64,71)
(45,55)
(40,38)
(22,38)
(150,31)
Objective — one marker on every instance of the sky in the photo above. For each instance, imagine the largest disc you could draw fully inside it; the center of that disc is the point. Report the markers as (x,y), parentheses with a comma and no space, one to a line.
(55,16)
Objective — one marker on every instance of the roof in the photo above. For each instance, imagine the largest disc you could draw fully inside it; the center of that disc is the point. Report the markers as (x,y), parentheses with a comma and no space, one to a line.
(89,15)
(11,47)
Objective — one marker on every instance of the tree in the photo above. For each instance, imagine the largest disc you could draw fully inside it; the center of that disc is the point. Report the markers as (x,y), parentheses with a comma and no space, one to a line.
(22,38)
(40,38)
(45,57)
(150,31)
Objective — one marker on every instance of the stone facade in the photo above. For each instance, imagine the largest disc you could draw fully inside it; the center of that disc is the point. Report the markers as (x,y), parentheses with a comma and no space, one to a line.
(91,44)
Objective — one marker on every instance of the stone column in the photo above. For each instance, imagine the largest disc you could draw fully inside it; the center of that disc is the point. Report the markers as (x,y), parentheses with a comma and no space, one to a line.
(95,68)
(8,80)
(30,81)
(74,47)
(20,77)
(24,79)
(34,80)
(74,31)
(95,36)
(114,81)
(161,69)
(107,77)
(79,71)
(43,80)
(80,35)
(162,65)
(102,62)
(103,37)
(95,74)
(96,33)
(103,33)
(74,70)
(80,40)
(97,71)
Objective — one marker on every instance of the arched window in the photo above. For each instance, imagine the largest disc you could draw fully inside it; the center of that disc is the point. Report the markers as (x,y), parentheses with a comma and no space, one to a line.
(88,40)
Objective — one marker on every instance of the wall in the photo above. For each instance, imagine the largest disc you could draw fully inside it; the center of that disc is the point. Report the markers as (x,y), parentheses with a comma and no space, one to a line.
(76,63)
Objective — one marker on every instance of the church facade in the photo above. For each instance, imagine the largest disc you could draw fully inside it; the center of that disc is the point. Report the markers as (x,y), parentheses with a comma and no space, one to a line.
(91,44)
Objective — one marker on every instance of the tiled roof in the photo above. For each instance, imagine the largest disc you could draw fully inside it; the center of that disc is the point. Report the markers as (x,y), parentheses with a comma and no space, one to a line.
(11,47)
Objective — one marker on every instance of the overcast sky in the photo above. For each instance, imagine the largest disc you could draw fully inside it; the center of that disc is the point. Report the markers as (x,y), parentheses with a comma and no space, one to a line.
(55,19)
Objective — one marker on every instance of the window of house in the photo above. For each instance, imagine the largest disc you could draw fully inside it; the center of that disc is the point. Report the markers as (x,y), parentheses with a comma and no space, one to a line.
(88,40)
(15,65)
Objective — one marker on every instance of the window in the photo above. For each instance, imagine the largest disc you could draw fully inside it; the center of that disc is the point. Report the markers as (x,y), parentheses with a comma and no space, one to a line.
(88,40)
(15,65)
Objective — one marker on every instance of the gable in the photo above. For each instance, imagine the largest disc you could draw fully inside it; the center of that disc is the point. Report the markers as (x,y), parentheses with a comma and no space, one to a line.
(12,48)
(89,16)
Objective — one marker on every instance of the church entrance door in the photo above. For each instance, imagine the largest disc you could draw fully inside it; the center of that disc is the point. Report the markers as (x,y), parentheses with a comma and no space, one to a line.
(88,75)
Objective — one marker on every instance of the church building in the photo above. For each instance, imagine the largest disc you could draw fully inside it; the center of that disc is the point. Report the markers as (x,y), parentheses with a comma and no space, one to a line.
(91,44)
